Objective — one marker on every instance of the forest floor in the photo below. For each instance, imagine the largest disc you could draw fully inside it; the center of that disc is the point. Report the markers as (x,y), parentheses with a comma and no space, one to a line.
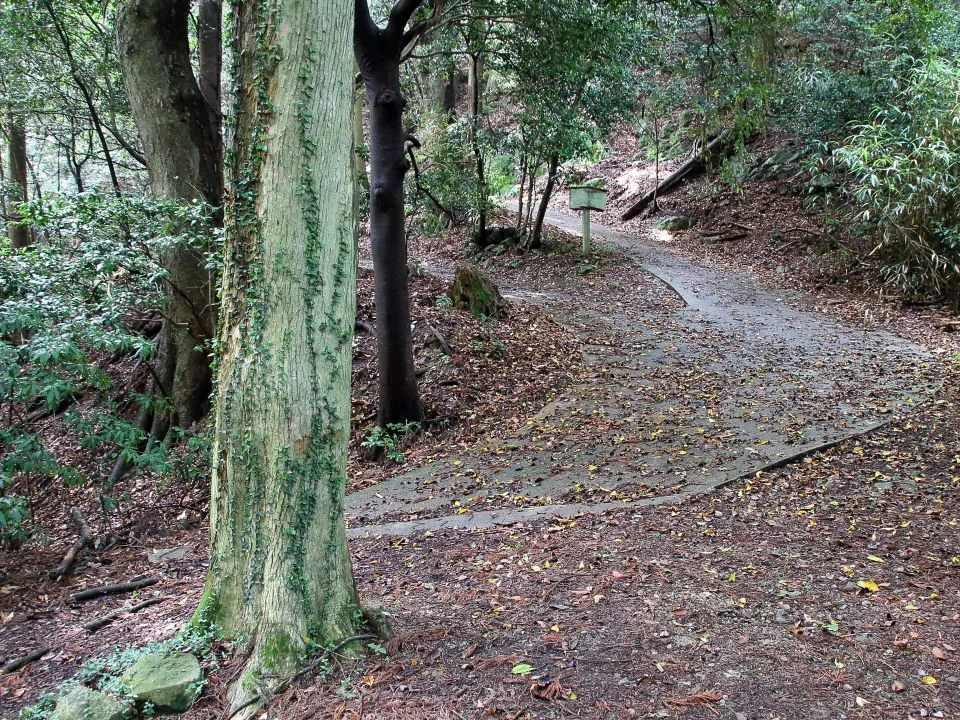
(597,530)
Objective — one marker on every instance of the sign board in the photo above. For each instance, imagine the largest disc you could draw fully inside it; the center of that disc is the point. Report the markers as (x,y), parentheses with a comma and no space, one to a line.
(586,197)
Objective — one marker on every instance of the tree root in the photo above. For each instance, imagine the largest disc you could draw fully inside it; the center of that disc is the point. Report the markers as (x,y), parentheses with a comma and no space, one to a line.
(264,695)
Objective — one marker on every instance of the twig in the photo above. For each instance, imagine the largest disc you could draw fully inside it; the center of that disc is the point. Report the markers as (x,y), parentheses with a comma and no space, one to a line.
(105,620)
(731,223)
(96,592)
(81,543)
(15,665)
(801,229)
(443,343)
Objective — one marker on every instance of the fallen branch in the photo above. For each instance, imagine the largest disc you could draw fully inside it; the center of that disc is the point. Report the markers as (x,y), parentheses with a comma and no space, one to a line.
(15,665)
(105,620)
(91,593)
(722,145)
(436,333)
(741,226)
(81,543)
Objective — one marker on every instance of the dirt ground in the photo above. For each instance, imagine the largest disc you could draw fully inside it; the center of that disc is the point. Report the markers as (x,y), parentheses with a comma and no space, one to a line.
(827,589)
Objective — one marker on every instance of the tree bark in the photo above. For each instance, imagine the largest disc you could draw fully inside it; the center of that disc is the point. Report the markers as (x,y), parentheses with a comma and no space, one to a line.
(378,56)
(280,571)
(536,236)
(17,160)
(181,140)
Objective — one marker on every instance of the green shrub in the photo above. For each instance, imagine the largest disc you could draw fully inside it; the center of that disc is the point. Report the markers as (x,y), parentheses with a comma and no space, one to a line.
(69,304)
(906,170)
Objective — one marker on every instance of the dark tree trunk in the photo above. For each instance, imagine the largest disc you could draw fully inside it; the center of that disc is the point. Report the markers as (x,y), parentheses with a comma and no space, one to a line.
(378,56)
(181,140)
(17,160)
(536,236)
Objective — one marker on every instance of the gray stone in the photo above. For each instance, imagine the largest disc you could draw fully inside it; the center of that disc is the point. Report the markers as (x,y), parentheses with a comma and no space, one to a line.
(169,680)
(82,703)
(678,222)
(822,181)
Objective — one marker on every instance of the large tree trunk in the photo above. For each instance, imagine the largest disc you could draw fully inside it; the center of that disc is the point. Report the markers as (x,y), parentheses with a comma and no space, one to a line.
(378,55)
(17,160)
(181,140)
(280,571)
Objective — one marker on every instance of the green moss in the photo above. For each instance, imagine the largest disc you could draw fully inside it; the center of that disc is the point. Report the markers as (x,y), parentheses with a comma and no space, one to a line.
(280,650)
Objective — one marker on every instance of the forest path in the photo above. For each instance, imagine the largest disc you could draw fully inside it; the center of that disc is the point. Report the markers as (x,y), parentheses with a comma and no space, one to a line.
(674,402)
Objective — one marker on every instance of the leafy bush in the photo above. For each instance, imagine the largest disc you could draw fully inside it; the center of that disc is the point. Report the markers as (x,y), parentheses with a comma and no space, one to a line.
(387,440)
(77,300)
(906,169)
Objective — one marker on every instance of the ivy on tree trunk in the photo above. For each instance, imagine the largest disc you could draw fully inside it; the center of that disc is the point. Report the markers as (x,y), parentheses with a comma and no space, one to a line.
(280,571)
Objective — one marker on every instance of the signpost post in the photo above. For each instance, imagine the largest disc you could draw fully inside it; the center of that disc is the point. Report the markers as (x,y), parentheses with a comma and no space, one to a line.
(587,198)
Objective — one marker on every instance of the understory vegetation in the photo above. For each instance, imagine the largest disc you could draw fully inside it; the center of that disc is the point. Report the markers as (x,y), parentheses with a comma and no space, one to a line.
(117,207)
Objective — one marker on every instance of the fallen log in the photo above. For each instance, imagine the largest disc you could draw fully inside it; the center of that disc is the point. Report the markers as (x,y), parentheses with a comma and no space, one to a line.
(91,593)
(722,145)
(15,665)
(80,544)
(105,620)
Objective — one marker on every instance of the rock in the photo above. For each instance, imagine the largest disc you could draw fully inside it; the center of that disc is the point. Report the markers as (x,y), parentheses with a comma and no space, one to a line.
(158,557)
(472,290)
(822,181)
(82,703)
(675,223)
(171,681)
(496,236)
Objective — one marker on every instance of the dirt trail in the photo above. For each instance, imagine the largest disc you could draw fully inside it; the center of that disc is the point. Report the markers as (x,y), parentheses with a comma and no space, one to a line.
(676,401)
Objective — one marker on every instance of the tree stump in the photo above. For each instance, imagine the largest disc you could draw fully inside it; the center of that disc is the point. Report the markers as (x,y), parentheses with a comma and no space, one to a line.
(471,290)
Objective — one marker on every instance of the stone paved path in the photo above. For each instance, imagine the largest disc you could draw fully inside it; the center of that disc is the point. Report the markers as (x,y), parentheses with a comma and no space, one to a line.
(675,402)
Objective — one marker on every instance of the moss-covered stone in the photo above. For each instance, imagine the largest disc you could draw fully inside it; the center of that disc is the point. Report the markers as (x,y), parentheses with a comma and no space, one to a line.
(82,703)
(472,290)
(171,681)
(673,224)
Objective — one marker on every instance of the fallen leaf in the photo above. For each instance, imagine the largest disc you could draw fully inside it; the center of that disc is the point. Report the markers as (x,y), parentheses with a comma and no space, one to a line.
(868,585)
(522,669)
(939,654)
(898,686)
(875,558)
(928,680)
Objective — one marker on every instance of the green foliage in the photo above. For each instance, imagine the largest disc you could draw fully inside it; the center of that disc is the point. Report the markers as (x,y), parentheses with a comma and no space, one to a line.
(906,170)
(71,305)
(387,440)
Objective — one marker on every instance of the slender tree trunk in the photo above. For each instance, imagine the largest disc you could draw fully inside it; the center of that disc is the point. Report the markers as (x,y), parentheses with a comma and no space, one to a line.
(476,110)
(17,161)
(378,55)
(537,236)
(280,571)
(181,140)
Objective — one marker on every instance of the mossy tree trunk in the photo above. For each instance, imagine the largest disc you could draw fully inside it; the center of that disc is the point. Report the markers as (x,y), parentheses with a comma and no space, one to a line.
(180,131)
(378,55)
(280,571)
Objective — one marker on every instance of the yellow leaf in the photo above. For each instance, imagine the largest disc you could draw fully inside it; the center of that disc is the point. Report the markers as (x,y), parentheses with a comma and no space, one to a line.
(868,585)
(874,558)
(928,680)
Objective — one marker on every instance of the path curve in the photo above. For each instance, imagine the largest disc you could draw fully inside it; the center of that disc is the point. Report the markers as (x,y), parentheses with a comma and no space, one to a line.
(674,403)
